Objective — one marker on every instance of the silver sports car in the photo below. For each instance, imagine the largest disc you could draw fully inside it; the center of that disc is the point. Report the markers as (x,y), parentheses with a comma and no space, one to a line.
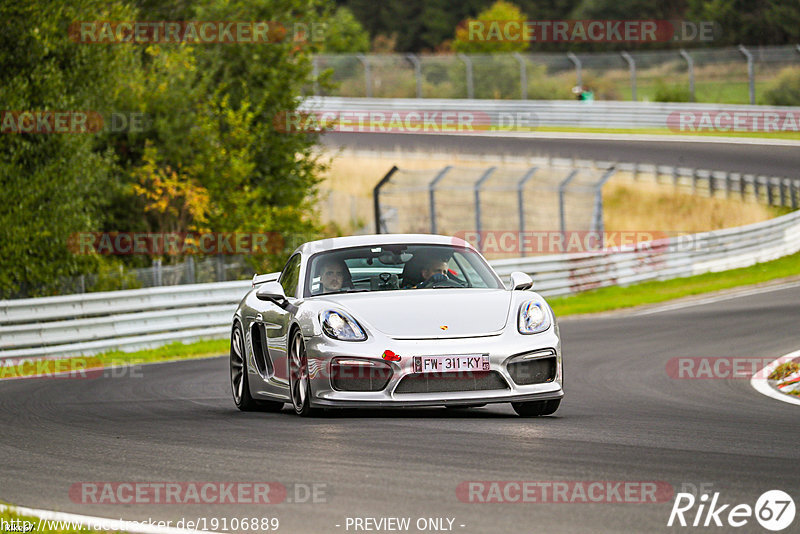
(393,321)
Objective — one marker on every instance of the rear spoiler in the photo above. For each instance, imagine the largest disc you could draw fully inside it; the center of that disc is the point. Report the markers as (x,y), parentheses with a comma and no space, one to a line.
(261,278)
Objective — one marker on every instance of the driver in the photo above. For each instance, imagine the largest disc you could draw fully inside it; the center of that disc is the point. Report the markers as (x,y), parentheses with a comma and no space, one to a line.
(333,274)
(433,270)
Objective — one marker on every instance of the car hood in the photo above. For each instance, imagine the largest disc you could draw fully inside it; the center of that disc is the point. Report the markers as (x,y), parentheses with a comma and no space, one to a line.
(432,313)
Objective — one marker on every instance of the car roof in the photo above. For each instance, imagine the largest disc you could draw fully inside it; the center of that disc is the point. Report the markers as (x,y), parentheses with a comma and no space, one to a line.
(334,243)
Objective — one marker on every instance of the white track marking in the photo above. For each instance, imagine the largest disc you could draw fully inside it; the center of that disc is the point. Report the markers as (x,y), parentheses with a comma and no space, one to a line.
(760,383)
(717,298)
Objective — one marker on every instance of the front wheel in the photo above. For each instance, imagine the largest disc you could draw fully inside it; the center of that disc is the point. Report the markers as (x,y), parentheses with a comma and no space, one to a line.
(299,381)
(536,408)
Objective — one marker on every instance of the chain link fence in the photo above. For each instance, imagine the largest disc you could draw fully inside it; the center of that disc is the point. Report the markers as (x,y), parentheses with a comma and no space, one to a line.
(727,75)
(553,197)
(190,271)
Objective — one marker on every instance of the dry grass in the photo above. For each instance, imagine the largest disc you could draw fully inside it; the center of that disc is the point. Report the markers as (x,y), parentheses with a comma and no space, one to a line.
(648,206)
(346,197)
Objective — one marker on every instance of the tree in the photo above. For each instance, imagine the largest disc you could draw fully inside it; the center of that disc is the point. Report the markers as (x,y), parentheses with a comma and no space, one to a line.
(344,34)
(53,184)
(493,31)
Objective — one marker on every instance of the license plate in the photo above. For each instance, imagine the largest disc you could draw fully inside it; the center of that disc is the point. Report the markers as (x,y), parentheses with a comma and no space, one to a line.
(454,363)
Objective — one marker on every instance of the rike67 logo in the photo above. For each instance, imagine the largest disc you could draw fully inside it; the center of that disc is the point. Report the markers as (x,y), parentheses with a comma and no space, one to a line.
(774,510)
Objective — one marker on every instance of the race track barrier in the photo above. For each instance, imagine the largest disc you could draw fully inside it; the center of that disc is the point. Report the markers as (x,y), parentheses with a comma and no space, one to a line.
(142,318)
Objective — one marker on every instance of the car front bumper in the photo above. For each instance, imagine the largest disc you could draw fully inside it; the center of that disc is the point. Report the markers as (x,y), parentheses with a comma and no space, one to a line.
(501,349)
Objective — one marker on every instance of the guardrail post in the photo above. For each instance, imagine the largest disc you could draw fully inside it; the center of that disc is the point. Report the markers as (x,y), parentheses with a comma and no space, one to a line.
(783,192)
(711,184)
(485,176)
(794,187)
(468,66)
(728,185)
(367,75)
(523,76)
(770,194)
(632,66)
(432,198)
(417,72)
(189,264)
(695,177)
(561,192)
(220,265)
(315,73)
(376,191)
(743,186)
(675,177)
(690,66)
(157,275)
(598,225)
(578,67)
(750,73)
(521,203)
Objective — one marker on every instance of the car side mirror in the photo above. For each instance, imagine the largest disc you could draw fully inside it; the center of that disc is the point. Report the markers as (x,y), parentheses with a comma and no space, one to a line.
(520,281)
(271,291)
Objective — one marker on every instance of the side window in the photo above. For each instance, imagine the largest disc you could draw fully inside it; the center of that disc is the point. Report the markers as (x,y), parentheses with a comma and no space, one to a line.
(290,276)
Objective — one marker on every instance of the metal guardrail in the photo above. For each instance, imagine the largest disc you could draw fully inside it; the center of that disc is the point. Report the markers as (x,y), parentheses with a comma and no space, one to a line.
(125,320)
(528,115)
(129,320)
(674,257)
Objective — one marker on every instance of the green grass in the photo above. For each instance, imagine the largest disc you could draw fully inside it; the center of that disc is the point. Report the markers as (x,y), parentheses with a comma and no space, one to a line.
(171,352)
(615,298)
(710,92)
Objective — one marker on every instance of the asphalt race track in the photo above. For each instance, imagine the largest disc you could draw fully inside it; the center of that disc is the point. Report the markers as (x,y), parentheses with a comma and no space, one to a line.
(623,419)
(769,159)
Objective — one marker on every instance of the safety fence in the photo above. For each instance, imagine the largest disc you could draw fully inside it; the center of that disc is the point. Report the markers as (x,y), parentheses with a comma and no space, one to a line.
(129,320)
(433,116)
(733,74)
(552,195)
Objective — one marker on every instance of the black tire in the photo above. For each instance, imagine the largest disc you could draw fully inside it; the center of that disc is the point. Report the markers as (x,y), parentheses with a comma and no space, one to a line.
(299,381)
(240,385)
(536,408)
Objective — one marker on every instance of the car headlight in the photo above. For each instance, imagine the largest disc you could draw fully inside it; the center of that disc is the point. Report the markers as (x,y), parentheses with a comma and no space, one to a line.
(339,325)
(533,318)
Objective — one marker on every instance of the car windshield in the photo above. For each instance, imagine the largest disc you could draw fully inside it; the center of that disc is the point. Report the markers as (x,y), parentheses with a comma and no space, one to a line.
(397,267)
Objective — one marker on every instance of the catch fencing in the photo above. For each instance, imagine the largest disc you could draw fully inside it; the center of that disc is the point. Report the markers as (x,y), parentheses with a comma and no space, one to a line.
(732,74)
(552,195)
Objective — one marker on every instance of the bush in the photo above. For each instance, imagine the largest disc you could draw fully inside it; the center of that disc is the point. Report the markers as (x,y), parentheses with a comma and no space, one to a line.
(665,92)
(784,90)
